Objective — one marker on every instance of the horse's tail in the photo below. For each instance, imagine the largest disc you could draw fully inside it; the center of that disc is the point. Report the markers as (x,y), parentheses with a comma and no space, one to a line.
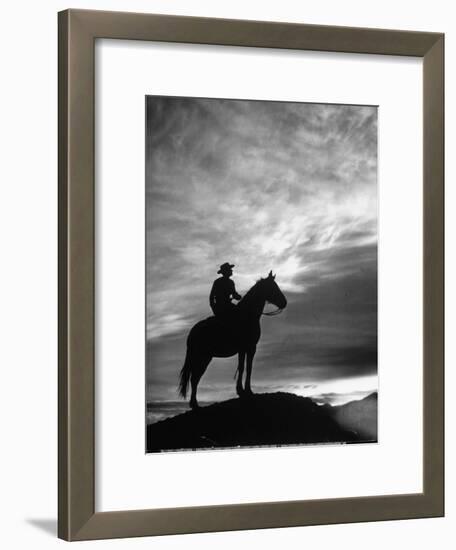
(184,378)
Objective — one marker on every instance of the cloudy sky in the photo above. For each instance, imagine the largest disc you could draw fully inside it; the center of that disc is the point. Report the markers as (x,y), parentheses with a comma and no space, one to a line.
(290,187)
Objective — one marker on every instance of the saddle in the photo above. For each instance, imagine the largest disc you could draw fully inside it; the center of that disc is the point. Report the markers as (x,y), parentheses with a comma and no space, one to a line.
(227,318)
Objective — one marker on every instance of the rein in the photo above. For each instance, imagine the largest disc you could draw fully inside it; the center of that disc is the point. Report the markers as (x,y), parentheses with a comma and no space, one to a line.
(272,313)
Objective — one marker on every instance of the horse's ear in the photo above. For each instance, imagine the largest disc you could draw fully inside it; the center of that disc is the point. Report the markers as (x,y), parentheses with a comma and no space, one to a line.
(270,274)
(274,276)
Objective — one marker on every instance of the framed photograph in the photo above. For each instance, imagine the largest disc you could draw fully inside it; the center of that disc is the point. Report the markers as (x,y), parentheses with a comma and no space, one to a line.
(250,274)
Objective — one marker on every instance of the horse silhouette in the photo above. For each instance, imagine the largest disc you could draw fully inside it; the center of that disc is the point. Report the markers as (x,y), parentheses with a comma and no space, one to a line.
(237,334)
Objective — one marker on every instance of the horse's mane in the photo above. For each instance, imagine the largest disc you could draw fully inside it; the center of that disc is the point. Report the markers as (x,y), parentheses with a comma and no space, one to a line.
(251,292)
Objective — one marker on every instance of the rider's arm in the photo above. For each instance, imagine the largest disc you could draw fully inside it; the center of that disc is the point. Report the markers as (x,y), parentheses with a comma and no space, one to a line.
(235,295)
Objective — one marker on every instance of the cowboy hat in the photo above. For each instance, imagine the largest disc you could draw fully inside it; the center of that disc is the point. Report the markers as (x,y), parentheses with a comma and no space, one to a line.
(225,267)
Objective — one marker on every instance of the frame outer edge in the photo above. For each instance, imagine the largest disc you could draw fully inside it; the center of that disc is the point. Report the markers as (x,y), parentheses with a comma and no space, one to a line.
(63,431)
(222,518)
(76,277)
(433,275)
(250,33)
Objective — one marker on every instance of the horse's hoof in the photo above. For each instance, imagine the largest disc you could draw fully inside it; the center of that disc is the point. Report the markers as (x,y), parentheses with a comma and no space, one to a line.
(248,392)
(240,392)
(194,406)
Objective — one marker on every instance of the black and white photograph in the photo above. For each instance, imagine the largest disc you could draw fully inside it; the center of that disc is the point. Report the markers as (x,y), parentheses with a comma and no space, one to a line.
(226,241)
(261,273)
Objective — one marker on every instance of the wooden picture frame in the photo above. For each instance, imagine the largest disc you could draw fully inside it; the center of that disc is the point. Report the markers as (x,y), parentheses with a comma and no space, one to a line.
(78,30)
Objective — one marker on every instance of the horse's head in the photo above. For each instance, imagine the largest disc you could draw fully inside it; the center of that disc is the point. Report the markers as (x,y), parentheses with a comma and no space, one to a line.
(272,292)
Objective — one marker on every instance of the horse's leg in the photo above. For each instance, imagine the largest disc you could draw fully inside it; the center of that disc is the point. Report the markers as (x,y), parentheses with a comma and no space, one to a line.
(250,354)
(197,372)
(241,359)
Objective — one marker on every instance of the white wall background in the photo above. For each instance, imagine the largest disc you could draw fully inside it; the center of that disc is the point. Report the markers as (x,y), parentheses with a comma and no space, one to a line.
(28,274)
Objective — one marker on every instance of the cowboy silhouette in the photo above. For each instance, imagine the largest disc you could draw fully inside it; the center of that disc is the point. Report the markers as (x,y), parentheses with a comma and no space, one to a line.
(223,291)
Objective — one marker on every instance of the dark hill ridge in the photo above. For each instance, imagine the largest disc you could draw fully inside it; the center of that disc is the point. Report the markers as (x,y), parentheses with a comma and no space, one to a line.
(360,416)
(267,419)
